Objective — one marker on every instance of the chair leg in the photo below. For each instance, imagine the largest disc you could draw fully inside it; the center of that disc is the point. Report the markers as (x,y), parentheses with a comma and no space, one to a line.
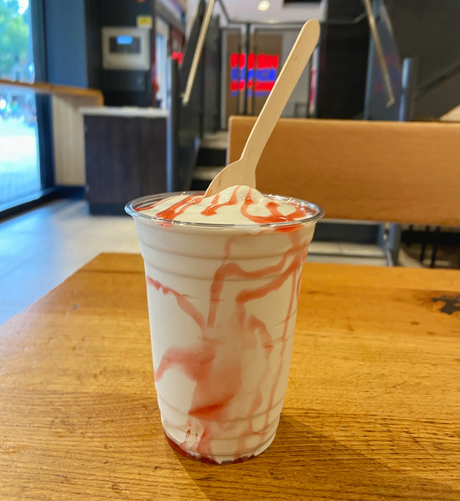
(424,243)
(410,235)
(394,242)
(437,231)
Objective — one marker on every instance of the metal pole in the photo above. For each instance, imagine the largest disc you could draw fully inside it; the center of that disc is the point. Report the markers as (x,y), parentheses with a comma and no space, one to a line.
(198,51)
(309,66)
(424,244)
(437,231)
(246,50)
(409,81)
(223,78)
(238,92)
(172,147)
(254,50)
(379,52)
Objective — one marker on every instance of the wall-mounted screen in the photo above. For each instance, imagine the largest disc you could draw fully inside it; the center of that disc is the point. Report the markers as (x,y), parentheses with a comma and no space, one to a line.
(124,44)
(125,48)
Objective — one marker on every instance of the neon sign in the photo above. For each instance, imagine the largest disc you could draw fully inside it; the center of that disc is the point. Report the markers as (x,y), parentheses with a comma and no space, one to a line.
(262,73)
(177,55)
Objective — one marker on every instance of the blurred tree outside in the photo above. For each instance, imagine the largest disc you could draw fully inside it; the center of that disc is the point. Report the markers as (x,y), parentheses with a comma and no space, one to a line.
(14,34)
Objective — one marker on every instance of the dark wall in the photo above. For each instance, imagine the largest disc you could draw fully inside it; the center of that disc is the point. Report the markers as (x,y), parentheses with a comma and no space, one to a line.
(65,42)
(428,30)
(115,82)
(74,46)
(343,61)
(212,81)
(123,12)
(425,33)
(93,44)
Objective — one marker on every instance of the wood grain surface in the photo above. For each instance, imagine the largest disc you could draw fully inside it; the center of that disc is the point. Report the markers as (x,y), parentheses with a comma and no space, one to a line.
(126,153)
(372,409)
(401,172)
(48,88)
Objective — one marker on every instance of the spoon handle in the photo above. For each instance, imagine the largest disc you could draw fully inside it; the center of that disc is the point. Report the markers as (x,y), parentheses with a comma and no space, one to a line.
(279,95)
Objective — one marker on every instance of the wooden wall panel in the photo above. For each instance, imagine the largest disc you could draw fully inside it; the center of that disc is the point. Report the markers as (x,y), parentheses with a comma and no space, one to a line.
(68,135)
(125,159)
(403,172)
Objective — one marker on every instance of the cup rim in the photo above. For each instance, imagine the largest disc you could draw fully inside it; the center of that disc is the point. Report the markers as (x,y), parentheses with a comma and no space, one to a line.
(132,208)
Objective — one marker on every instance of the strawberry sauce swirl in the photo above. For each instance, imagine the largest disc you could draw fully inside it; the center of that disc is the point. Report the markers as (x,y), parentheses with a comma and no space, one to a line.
(215,363)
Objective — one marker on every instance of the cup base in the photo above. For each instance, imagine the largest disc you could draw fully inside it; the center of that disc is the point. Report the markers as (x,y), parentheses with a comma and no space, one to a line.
(218,460)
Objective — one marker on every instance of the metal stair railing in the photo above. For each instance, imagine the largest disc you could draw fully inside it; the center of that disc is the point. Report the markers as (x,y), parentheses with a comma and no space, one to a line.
(187,94)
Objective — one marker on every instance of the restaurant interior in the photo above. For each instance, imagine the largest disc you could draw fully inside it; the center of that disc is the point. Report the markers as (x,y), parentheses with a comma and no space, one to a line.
(105,103)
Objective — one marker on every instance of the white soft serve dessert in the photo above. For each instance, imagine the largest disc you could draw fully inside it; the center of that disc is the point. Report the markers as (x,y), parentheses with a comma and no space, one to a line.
(223,279)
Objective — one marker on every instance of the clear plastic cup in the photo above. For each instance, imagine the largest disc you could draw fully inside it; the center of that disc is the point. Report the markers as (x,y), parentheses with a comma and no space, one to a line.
(222,304)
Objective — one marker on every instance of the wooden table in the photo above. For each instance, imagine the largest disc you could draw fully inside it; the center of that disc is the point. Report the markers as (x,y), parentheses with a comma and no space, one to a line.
(372,409)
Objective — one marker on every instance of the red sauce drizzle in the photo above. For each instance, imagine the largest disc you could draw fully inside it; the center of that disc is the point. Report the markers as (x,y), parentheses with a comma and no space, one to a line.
(213,208)
(275,216)
(215,363)
(180,207)
(147,207)
(183,303)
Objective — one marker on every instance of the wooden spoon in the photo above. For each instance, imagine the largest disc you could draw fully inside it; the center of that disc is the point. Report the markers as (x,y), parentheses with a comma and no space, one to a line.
(243,171)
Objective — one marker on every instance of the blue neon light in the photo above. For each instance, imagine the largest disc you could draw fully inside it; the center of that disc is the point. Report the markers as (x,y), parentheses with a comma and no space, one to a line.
(262,75)
(124,40)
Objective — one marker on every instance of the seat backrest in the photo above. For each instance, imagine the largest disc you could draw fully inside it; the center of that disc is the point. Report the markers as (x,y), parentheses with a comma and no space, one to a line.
(402,172)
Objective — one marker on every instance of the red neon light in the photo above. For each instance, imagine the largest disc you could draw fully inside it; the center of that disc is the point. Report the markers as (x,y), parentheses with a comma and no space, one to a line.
(263,86)
(233,60)
(264,61)
(259,66)
(177,55)
(261,61)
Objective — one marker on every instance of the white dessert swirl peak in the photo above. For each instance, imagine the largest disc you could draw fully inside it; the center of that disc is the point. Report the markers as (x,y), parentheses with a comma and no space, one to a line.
(237,205)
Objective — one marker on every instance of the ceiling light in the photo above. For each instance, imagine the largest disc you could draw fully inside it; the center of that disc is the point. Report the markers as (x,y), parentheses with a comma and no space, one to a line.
(264,5)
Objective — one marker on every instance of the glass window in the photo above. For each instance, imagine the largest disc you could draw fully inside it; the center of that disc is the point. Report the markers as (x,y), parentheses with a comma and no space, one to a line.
(19,147)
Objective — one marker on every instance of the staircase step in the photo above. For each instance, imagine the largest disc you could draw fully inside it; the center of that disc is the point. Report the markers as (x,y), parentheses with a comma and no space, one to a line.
(359,232)
(217,140)
(202,176)
(210,157)
(204,173)
(213,149)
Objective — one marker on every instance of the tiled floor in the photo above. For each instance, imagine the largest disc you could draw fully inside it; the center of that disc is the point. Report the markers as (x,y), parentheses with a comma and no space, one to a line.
(40,249)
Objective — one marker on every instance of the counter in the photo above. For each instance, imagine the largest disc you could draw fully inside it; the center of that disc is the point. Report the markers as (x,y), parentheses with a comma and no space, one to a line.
(125,155)
(124,111)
